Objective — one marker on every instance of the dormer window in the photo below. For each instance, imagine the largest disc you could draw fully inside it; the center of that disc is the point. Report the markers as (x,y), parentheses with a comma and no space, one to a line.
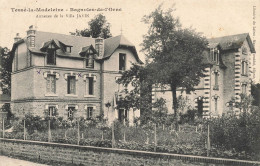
(51,57)
(68,49)
(89,61)
(214,53)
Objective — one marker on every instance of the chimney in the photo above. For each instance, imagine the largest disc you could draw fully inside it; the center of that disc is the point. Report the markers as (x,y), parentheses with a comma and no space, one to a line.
(31,36)
(99,46)
(17,38)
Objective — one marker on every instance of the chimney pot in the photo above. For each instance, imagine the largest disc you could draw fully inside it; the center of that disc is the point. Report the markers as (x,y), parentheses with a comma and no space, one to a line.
(17,37)
(31,36)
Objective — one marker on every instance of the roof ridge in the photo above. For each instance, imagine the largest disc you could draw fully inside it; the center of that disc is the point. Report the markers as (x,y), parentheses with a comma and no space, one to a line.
(65,34)
(228,35)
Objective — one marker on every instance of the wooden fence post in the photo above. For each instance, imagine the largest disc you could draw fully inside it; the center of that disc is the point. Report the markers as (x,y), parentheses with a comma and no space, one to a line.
(124,131)
(49,130)
(24,132)
(155,138)
(113,135)
(78,132)
(208,142)
(3,126)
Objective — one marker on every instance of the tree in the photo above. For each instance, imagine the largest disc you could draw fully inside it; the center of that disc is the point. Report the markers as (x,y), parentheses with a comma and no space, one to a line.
(140,96)
(174,54)
(98,27)
(5,70)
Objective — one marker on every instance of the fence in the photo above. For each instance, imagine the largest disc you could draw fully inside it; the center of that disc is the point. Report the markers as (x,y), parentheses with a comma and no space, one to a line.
(190,140)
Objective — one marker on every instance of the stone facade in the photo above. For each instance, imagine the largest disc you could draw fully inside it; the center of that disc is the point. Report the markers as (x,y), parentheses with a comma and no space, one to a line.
(229,75)
(63,81)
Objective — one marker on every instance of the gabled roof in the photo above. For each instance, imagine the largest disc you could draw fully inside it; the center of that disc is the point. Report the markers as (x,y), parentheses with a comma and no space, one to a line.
(111,44)
(87,49)
(231,42)
(78,44)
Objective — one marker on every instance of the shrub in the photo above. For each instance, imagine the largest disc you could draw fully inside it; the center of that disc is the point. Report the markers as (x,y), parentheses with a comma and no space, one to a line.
(240,134)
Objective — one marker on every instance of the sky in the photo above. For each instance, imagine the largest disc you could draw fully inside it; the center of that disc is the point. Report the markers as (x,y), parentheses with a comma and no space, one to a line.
(213,18)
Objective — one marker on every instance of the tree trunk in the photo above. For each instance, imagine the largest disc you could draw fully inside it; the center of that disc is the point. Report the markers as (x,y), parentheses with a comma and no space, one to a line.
(175,106)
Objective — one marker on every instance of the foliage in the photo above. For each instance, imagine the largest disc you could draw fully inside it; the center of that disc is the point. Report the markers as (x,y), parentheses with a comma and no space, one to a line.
(98,27)
(174,54)
(139,97)
(185,141)
(34,123)
(188,117)
(244,104)
(5,70)
(241,134)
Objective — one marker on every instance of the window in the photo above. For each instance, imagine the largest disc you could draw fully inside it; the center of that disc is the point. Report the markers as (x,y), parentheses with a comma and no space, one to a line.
(51,111)
(122,61)
(244,88)
(68,49)
(216,105)
(89,61)
(51,84)
(51,57)
(215,55)
(90,112)
(71,112)
(200,107)
(90,86)
(244,68)
(122,114)
(216,78)
(71,87)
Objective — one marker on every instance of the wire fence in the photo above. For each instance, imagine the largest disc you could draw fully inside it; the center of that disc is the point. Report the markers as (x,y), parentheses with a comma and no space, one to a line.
(152,137)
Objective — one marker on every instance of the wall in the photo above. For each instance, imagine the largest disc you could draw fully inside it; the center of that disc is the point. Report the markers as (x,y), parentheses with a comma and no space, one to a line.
(61,84)
(111,72)
(216,92)
(112,64)
(229,77)
(55,153)
(29,92)
(22,56)
(22,85)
